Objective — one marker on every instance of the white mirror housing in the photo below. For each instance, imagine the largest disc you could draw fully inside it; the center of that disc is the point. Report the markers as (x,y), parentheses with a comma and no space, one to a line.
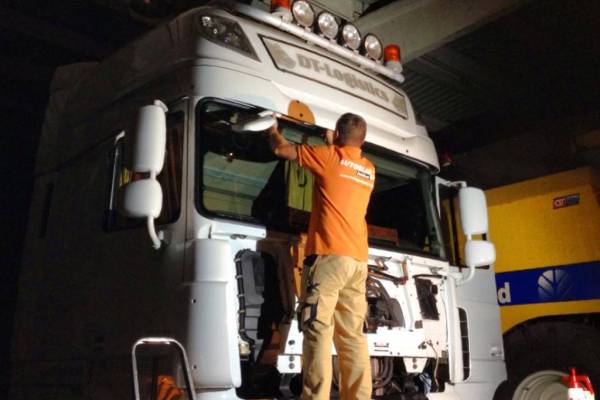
(147,140)
(473,211)
(479,253)
(262,122)
(141,199)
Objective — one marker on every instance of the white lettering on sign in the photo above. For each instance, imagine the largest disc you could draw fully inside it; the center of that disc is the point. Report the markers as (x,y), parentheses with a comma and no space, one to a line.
(346,77)
(504,294)
(565,201)
(314,66)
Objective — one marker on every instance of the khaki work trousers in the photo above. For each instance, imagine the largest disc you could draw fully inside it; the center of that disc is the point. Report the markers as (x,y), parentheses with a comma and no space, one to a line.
(334,307)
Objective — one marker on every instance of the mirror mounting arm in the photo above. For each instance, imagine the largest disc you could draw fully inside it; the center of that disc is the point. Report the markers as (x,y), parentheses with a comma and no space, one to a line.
(154,236)
(465,278)
(458,184)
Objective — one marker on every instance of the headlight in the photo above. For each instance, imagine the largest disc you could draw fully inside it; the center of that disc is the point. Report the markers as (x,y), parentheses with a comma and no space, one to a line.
(303,13)
(373,47)
(351,36)
(328,26)
(225,31)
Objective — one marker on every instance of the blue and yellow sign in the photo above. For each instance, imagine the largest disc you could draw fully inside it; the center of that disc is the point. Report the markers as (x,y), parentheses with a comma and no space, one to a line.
(552,284)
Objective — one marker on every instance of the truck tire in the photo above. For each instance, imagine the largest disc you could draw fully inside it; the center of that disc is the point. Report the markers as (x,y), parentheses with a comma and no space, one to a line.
(539,354)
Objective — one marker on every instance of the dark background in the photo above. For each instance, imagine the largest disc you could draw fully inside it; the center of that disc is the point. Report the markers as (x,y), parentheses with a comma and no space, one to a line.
(508,101)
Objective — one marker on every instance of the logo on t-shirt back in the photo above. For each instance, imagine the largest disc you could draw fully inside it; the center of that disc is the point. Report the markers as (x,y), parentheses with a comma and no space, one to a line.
(361,170)
(363,175)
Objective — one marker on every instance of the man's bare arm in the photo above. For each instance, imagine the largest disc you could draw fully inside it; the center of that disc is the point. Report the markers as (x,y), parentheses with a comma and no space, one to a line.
(280,146)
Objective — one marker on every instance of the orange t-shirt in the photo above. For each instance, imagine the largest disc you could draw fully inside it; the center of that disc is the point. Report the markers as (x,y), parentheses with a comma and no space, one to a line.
(344,181)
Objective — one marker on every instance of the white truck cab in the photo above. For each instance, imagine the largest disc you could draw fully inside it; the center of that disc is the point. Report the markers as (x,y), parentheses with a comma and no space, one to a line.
(161,222)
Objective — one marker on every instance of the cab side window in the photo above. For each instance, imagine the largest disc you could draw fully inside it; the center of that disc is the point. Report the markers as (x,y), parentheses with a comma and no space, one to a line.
(450,224)
(169,178)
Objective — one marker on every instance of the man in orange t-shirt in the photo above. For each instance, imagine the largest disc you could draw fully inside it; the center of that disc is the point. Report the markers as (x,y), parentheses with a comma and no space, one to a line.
(333,303)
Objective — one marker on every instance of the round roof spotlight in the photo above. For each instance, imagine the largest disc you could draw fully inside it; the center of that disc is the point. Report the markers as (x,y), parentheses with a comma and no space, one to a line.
(373,47)
(303,13)
(328,26)
(351,36)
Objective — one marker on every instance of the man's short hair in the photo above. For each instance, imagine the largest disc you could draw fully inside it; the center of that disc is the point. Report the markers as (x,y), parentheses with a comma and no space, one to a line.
(352,126)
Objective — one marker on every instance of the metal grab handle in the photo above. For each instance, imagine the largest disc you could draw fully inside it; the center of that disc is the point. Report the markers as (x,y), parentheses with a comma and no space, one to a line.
(165,341)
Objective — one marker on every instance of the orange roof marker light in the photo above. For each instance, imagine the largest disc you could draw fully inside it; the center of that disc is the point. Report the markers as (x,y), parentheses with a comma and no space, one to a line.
(282,9)
(391,56)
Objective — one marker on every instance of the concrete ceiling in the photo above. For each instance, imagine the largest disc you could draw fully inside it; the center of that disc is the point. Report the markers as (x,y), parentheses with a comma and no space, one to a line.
(419,26)
(508,88)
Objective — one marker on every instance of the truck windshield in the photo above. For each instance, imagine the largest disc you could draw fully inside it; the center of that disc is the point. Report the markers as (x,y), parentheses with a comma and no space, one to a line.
(240,178)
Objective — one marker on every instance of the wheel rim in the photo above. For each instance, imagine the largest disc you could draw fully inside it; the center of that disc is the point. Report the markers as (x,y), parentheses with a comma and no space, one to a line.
(542,385)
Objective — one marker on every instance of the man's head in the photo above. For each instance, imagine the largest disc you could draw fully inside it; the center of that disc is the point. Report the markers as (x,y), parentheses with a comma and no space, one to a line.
(350,130)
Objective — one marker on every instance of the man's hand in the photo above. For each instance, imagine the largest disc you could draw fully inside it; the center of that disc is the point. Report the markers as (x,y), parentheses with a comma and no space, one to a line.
(273,130)
(329,137)
(280,146)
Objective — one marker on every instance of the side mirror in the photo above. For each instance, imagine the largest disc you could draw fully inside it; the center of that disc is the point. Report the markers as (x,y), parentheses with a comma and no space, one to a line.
(142,199)
(262,122)
(145,148)
(147,142)
(474,220)
(473,211)
(479,253)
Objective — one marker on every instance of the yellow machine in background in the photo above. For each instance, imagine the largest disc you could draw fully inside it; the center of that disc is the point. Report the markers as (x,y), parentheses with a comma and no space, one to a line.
(549,224)
(547,233)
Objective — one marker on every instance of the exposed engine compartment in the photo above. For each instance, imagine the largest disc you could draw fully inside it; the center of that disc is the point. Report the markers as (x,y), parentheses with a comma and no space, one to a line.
(399,308)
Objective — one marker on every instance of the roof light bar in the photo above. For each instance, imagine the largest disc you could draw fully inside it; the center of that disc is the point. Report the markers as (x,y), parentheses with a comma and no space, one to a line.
(321,41)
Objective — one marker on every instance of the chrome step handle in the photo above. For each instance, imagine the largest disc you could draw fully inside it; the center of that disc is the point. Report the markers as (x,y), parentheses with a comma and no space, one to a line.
(161,341)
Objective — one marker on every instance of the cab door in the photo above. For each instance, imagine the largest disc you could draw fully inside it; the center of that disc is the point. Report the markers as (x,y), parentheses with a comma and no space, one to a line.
(481,334)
